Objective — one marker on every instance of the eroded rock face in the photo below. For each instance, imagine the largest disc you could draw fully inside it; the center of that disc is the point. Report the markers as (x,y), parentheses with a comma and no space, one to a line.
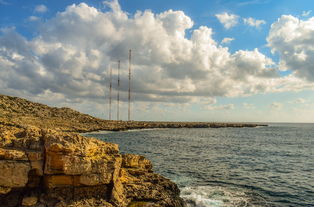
(46,168)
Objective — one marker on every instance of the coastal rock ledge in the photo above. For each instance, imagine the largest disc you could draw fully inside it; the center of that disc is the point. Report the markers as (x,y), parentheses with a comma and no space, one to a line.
(47,168)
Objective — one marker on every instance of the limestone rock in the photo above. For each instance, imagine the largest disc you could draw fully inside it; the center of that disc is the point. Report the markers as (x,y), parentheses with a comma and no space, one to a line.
(4,190)
(14,174)
(136,161)
(41,158)
(141,204)
(137,184)
(43,167)
(76,155)
(29,201)
(91,202)
(11,154)
(18,112)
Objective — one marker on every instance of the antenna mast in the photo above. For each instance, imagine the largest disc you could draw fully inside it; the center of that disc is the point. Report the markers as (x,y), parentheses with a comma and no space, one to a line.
(118,96)
(110,91)
(129,112)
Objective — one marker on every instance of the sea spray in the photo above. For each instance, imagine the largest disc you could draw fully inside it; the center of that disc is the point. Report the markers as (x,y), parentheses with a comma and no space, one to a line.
(218,196)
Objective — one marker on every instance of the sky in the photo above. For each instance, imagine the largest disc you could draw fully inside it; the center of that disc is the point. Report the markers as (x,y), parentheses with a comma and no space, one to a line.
(201,60)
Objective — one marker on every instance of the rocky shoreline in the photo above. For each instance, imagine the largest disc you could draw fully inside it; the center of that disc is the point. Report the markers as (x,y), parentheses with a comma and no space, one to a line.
(46,168)
(44,162)
(129,125)
(19,112)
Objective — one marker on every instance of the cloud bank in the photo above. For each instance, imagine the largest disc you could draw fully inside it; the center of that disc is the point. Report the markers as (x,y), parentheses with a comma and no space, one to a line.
(70,57)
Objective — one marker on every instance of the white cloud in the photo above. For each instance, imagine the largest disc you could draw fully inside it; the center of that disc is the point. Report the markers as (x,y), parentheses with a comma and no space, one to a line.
(33,18)
(228,20)
(41,8)
(306,13)
(227,40)
(293,39)
(221,107)
(276,105)
(70,58)
(253,22)
(252,64)
(245,3)
(207,101)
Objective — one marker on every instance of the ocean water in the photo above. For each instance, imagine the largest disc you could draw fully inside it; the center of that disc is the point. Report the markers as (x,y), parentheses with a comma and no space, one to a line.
(264,166)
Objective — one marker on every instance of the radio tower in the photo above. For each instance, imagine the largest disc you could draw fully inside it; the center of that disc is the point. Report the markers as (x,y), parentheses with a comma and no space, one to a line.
(110,90)
(129,112)
(118,96)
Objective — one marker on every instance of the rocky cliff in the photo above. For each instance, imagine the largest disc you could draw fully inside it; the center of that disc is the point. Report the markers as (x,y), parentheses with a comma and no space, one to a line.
(47,168)
(44,163)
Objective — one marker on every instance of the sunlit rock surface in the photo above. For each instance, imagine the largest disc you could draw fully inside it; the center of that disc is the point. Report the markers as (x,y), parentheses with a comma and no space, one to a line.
(41,167)
(45,163)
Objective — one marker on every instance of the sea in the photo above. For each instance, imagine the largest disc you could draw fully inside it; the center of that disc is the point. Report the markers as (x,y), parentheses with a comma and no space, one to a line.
(269,166)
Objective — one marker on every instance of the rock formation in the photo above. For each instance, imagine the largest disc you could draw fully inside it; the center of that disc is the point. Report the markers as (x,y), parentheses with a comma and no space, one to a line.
(47,168)
(45,163)
(21,112)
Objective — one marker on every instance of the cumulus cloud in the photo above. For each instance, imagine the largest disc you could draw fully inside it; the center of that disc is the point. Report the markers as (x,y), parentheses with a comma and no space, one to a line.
(41,8)
(70,58)
(293,40)
(228,20)
(253,22)
(227,40)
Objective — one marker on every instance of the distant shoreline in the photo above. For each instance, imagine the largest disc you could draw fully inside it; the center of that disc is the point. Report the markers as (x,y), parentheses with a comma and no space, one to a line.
(133,125)
(19,112)
(147,129)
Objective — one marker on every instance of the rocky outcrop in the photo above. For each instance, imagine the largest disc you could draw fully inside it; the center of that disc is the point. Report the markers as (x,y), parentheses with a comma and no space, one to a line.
(43,164)
(20,112)
(47,168)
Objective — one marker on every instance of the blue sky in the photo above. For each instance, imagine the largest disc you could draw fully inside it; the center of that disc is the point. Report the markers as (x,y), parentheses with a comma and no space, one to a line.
(202,12)
(193,60)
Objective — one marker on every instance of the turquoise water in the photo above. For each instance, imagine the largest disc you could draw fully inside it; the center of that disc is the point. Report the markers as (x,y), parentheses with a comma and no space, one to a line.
(265,166)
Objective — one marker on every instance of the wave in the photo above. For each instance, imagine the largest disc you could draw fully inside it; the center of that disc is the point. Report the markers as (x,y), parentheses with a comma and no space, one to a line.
(97,132)
(218,196)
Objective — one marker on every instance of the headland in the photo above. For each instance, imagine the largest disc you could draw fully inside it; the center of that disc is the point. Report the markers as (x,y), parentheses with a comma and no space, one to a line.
(18,112)
(44,162)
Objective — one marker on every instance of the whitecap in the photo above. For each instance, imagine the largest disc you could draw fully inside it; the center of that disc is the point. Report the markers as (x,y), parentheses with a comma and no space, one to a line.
(216,196)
